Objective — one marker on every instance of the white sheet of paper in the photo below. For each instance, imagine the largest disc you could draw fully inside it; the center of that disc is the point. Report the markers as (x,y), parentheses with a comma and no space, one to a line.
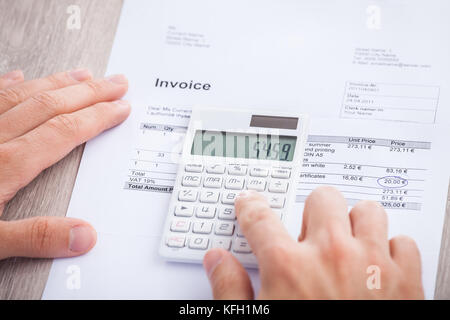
(346,60)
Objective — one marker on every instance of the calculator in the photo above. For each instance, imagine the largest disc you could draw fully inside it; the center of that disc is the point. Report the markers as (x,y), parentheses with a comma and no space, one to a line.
(227,151)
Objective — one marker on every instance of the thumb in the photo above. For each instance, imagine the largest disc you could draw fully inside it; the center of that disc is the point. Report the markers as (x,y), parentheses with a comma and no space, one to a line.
(228,278)
(46,237)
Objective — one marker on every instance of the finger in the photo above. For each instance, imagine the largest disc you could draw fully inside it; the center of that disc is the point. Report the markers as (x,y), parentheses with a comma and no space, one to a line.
(10,79)
(228,278)
(12,96)
(25,157)
(259,224)
(325,212)
(370,224)
(406,255)
(46,237)
(48,104)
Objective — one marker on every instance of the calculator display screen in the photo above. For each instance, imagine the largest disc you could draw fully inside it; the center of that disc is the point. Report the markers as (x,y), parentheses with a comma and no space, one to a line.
(244,145)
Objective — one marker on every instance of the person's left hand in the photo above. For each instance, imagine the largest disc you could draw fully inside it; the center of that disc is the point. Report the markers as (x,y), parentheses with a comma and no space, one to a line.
(41,121)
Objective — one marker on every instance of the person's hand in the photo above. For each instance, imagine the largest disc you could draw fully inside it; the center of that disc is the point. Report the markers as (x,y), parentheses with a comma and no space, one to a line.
(41,121)
(334,257)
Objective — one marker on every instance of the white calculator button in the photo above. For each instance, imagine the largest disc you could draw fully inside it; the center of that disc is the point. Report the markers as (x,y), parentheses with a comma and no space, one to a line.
(259,172)
(188,195)
(227,213)
(216,169)
(228,197)
(176,241)
(180,225)
(206,212)
(204,227)
(237,170)
(281,173)
(184,210)
(222,243)
(276,202)
(239,232)
(194,167)
(234,183)
(241,246)
(200,243)
(278,186)
(212,182)
(224,228)
(209,196)
(191,181)
(256,184)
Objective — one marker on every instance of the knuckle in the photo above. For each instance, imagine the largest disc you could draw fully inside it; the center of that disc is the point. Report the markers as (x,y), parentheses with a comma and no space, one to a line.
(12,95)
(279,253)
(339,247)
(65,125)
(40,236)
(52,103)
(96,87)
(57,81)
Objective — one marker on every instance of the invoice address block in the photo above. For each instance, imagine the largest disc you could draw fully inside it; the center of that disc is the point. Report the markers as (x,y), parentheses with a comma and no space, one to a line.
(396,102)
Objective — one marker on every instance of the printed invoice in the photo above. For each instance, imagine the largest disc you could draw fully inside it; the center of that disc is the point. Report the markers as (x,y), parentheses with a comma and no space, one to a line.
(348,59)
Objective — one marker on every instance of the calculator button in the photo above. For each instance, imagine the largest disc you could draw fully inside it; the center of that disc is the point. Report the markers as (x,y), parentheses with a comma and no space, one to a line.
(184,210)
(278,186)
(202,227)
(176,241)
(180,225)
(237,170)
(281,173)
(206,212)
(216,169)
(229,197)
(256,184)
(239,232)
(209,197)
(227,213)
(234,183)
(200,243)
(241,246)
(225,228)
(194,167)
(276,202)
(191,181)
(222,243)
(188,195)
(212,182)
(259,172)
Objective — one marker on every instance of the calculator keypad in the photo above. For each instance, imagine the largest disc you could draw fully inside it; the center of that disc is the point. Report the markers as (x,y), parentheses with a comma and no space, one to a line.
(204,216)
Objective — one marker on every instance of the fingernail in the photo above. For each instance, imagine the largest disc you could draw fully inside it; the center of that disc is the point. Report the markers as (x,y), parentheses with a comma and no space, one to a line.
(212,260)
(117,79)
(13,75)
(81,238)
(80,74)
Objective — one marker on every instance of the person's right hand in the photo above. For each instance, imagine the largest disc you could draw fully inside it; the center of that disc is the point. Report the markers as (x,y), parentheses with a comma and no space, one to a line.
(331,259)
(41,121)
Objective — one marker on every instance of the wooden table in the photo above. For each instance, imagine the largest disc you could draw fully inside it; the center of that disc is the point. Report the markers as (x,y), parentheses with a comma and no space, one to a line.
(34,37)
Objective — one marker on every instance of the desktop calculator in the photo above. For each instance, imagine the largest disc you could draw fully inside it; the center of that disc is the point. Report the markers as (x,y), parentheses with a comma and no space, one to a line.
(227,151)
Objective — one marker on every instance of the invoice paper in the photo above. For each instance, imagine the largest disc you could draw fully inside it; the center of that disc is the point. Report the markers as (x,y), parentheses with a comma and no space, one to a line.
(360,68)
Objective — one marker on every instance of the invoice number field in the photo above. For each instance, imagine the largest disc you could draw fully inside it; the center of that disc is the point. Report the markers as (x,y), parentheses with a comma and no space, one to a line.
(395,102)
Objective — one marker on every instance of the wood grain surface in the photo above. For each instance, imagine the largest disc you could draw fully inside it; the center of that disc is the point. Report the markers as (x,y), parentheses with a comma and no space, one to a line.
(34,38)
